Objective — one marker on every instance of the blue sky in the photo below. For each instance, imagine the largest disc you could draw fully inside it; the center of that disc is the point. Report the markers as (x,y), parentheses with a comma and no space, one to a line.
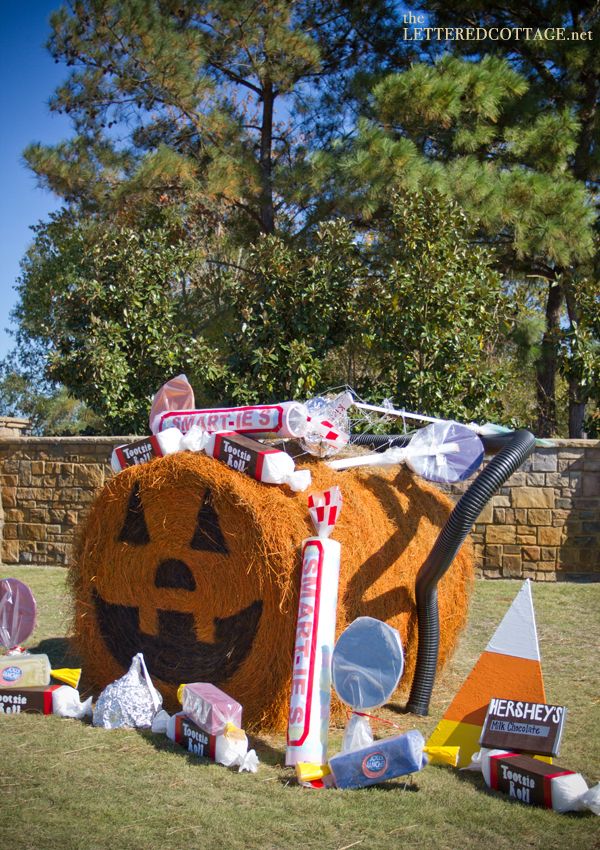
(28,77)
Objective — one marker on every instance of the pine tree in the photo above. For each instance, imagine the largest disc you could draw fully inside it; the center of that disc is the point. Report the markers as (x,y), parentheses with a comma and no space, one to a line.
(559,122)
(202,101)
(476,131)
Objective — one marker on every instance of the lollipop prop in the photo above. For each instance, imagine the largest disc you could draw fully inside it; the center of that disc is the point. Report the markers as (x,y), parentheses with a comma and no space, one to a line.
(366,666)
(445,452)
(17,612)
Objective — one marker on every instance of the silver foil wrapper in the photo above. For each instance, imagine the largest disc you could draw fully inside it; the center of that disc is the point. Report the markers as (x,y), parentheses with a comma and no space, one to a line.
(131,701)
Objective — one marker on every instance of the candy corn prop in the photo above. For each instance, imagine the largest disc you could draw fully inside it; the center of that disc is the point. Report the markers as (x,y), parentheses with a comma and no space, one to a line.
(508,668)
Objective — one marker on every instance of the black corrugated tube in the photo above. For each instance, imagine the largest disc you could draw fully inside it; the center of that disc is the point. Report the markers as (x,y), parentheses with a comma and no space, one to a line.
(516,451)
(380,442)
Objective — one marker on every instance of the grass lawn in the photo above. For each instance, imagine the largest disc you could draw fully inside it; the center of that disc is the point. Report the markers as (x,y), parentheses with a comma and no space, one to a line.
(66,786)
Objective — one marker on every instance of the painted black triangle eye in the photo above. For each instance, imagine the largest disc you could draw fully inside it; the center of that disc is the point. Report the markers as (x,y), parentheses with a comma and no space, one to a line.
(135,530)
(208,536)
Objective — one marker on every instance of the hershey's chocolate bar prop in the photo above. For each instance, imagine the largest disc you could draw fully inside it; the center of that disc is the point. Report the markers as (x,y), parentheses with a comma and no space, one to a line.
(536,783)
(525,727)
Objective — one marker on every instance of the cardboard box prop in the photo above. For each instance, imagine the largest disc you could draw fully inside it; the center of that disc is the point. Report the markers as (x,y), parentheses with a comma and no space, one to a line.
(382,760)
(210,707)
(27,700)
(523,727)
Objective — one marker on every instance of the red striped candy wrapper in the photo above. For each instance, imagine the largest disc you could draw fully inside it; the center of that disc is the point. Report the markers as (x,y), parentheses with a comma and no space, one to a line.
(308,723)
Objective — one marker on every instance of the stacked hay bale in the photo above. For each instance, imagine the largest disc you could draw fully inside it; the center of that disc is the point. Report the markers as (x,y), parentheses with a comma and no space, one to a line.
(197,566)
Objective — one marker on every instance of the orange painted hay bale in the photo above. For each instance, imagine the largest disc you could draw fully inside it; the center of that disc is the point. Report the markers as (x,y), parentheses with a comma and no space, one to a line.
(198,566)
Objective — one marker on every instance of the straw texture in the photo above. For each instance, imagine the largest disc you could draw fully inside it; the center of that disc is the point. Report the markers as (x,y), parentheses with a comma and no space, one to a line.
(198,566)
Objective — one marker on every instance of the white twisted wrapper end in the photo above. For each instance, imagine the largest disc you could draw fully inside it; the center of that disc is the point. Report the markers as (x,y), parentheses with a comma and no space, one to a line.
(299,480)
(195,440)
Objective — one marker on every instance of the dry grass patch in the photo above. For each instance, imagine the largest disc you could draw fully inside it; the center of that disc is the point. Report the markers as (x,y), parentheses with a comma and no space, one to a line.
(65,785)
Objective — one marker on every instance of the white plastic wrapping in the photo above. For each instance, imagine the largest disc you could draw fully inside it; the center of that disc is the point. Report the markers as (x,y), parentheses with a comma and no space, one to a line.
(141,451)
(66,703)
(445,452)
(357,734)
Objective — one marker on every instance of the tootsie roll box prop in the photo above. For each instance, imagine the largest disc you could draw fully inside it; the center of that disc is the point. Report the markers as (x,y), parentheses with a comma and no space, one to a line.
(198,567)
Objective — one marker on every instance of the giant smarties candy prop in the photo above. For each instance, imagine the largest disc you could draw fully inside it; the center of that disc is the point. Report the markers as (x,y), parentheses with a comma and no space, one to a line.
(315,633)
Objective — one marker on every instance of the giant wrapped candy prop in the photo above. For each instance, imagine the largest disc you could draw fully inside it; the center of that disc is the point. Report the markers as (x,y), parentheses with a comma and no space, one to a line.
(308,724)
(198,567)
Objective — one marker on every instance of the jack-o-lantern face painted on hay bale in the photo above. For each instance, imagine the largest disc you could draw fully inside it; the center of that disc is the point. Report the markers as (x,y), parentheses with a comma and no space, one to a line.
(197,567)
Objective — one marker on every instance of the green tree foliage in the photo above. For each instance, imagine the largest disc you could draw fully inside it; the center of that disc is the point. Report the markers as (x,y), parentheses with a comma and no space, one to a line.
(49,410)
(466,129)
(209,97)
(433,311)
(410,310)
(295,307)
(556,131)
(103,301)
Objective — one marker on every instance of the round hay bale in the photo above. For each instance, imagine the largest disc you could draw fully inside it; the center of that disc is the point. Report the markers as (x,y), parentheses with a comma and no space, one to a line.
(198,566)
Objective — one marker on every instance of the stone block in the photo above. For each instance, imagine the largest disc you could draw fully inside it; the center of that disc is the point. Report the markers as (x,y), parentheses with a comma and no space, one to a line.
(549,553)
(531,553)
(493,556)
(29,531)
(9,497)
(89,476)
(544,460)
(549,536)
(511,566)
(499,516)
(546,566)
(37,467)
(533,497)
(527,539)
(14,515)
(10,552)
(535,479)
(487,514)
(500,534)
(539,516)
(591,485)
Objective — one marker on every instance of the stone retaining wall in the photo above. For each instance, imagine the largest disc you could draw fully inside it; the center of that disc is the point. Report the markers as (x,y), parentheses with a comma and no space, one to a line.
(545,524)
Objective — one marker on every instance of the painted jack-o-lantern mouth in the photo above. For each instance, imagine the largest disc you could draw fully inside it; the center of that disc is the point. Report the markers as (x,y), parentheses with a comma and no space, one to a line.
(175,654)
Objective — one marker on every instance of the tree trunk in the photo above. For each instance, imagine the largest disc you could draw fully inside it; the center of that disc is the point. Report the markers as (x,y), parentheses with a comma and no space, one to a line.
(576,411)
(267,211)
(577,393)
(547,364)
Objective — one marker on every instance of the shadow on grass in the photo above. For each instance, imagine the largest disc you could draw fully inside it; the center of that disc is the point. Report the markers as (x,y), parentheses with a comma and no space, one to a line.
(59,651)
